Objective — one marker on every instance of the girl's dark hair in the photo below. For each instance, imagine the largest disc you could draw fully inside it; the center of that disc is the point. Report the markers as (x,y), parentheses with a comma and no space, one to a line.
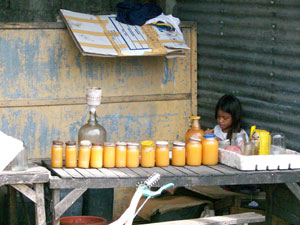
(230,104)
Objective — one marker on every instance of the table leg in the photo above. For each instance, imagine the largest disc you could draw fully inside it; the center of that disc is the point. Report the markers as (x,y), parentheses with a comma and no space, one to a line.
(12,206)
(40,214)
(55,201)
(269,203)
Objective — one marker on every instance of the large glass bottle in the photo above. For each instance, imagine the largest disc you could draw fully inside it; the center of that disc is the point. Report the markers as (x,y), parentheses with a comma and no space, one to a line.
(195,130)
(92,131)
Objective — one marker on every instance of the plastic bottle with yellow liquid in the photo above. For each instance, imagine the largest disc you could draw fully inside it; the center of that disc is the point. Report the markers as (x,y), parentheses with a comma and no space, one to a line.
(195,130)
(262,139)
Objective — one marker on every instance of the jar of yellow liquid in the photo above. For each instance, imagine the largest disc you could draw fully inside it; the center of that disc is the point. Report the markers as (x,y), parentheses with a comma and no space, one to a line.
(109,155)
(178,153)
(57,154)
(84,154)
(132,155)
(71,154)
(162,154)
(96,155)
(121,148)
(147,154)
(194,152)
(210,150)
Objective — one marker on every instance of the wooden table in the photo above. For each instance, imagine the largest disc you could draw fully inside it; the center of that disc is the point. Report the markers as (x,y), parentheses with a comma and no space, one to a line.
(31,184)
(81,179)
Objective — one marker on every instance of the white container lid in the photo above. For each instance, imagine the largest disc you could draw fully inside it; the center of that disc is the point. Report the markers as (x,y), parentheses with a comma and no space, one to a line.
(132,144)
(85,143)
(121,143)
(179,143)
(161,143)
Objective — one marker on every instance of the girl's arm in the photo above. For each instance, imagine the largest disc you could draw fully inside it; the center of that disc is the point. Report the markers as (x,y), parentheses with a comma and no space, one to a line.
(209,131)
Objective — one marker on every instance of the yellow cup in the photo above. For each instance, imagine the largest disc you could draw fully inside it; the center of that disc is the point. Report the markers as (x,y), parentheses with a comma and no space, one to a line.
(264,142)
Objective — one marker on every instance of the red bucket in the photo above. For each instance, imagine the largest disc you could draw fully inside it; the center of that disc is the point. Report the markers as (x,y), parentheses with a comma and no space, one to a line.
(82,220)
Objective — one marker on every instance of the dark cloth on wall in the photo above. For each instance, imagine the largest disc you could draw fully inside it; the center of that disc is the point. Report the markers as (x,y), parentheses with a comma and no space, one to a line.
(136,13)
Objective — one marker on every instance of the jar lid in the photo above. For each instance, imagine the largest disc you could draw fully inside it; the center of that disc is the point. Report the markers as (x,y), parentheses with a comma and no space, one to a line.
(162,143)
(209,135)
(55,142)
(147,144)
(195,117)
(132,144)
(71,143)
(179,143)
(109,144)
(96,144)
(121,143)
(85,143)
(195,139)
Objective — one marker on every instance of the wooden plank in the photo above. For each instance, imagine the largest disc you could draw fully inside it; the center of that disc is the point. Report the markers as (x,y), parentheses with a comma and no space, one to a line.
(225,169)
(241,218)
(204,170)
(55,201)
(193,64)
(82,101)
(186,171)
(25,190)
(173,171)
(140,171)
(67,201)
(85,173)
(32,25)
(294,188)
(108,173)
(97,173)
(119,173)
(12,207)
(73,173)
(159,170)
(40,213)
(129,172)
(61,172)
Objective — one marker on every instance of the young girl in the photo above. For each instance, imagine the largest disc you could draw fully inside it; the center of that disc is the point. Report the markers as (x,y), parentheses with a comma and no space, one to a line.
(228,113)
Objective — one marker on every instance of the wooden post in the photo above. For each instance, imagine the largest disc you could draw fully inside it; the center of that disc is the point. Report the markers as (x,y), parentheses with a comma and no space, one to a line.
(269,210)
(13,217)
(55,200)
(40,214)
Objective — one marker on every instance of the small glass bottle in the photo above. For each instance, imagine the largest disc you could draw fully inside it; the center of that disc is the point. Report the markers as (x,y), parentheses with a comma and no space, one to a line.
(71,154)
(121,148)
(210,150)
(147,154)
(132,155)
(96,155)
(20,162)
(109,155)
(194,152)
(178,153)
(195,129)
(57,154)
(162,154)
(84,154)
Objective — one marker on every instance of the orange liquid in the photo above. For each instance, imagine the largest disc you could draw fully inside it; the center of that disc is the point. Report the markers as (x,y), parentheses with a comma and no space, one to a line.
(96,157)
(71,156)
(147,157)
(194,154)
(109,154)
(162,155)
(132,157)
(84,156)
(121,156)
(210,152)
(57,156)
(178,156)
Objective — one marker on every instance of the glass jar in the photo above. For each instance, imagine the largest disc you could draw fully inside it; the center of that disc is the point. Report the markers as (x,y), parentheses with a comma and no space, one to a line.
(84,154)
(121,148)
(210,150)
(132,155)
(194,152)
(109,155)
(162,154)
(195,129)
(71,154)
(57,154)
(96,155)
(178,153)
(20,162)
(147,154)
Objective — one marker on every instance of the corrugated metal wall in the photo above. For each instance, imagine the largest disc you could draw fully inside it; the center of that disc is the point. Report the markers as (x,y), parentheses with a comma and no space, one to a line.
(252,50)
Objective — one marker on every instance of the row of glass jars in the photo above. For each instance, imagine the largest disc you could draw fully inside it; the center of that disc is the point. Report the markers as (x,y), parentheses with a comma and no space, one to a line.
(122,154)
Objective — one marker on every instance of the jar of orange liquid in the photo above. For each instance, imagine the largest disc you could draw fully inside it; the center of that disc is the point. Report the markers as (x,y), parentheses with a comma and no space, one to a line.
(162,154)
(57,154)
(132,155)
(210,150)
(194,152)
(109,155)
(96,155)
(84,154)
(178,153)
(121,148)
(147,154)
(71,154)
(195,130)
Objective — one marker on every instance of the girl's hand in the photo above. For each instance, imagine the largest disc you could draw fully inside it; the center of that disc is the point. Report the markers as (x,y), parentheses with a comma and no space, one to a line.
(209,131)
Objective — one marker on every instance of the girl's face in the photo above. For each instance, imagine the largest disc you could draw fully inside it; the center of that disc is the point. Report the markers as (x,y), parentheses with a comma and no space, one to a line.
(224,120)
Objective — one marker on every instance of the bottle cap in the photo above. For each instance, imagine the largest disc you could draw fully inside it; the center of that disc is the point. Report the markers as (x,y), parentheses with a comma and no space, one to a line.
(178,143)
(132,144)
(194,139)
(96,144)
(147,144)
(85,143)
(161,143)
(109,144)
(71,143)
(120,143)
(55,142)
(195,117)
(209,135)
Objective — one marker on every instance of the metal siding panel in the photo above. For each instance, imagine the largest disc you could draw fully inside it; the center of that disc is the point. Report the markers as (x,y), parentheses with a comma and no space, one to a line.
(250,49)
